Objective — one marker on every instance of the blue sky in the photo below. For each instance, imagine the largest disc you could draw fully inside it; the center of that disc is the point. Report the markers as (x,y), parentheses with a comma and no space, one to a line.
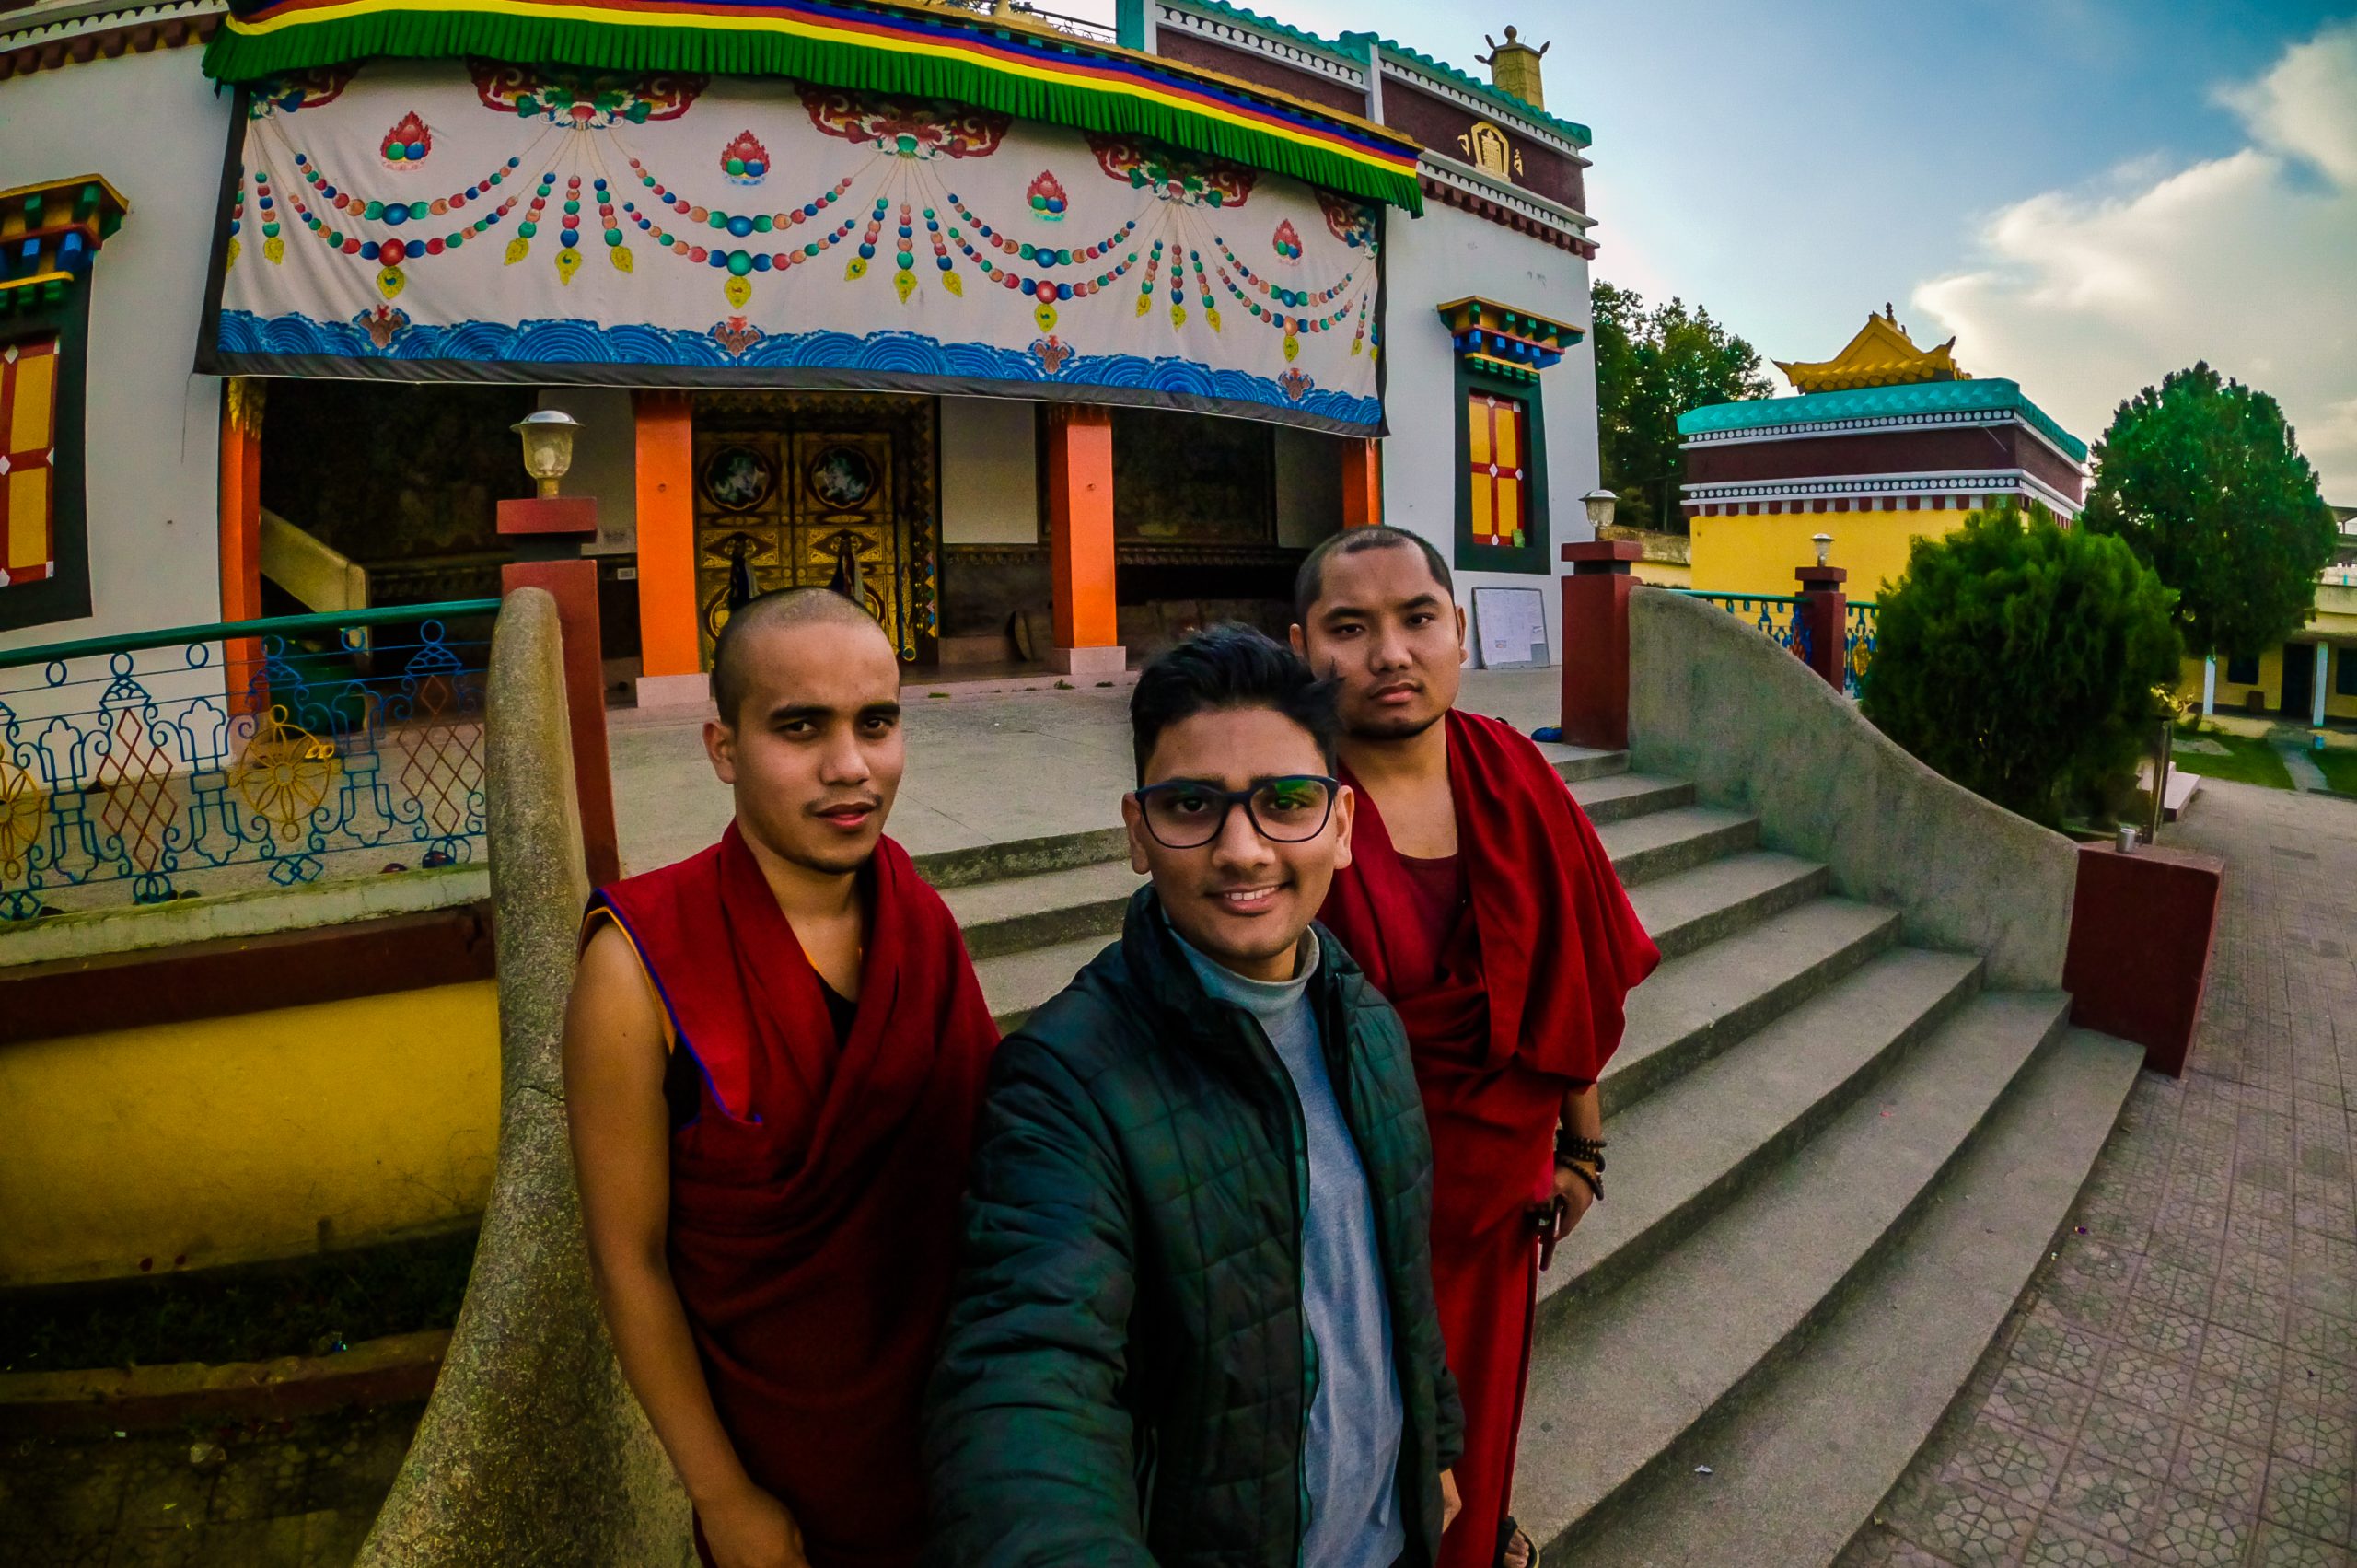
(2090,193)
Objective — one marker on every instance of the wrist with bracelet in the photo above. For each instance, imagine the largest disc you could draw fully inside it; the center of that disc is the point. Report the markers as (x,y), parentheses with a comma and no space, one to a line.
(1584,1158)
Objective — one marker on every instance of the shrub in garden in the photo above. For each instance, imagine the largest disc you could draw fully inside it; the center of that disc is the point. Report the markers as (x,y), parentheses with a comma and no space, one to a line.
(2019,657)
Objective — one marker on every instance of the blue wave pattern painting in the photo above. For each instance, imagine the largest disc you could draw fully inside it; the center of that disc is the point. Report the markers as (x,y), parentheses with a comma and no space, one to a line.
(886,353)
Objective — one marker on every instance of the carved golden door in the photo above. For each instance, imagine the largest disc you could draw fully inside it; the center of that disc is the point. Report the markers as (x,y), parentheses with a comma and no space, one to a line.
(809,490)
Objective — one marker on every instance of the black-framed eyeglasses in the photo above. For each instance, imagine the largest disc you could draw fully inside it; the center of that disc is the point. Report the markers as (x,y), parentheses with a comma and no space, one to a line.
(1289,809)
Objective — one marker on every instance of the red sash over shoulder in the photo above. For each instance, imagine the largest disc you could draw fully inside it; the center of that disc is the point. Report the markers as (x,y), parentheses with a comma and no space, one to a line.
(814,1197)
(1520,1004)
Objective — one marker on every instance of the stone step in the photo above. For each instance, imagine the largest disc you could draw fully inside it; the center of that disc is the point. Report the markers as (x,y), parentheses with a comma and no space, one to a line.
(1021,857)
(1615,798)
(1577,762)
(1075,900)
(1799,1464)
(1693,1007)
(1662,842)
(1015,912)
(1015,983)
(1693,1146)
(1689,909)
(1616,1386)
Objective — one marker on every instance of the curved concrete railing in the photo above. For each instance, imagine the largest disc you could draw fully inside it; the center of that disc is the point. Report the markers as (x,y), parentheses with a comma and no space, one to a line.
(1712,700)
(533,1450)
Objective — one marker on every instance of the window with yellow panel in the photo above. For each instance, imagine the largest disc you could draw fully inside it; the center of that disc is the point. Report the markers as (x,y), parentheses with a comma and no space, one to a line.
(44,560)
(1500,476)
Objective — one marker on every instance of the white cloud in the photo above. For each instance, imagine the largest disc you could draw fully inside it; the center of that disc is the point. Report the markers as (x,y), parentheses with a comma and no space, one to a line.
(2247,261)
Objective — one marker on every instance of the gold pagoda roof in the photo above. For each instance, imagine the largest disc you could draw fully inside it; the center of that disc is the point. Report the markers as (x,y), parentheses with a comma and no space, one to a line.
(1882,354)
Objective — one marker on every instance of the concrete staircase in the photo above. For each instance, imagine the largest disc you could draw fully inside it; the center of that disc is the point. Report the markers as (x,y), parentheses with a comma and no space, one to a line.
(1835,1161)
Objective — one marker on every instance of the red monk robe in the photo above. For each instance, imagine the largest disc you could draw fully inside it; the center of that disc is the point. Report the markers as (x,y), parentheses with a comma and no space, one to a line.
(1512,1003)
(815,1193)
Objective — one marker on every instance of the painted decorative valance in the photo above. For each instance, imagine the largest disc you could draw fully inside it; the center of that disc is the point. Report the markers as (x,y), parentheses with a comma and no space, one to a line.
(1504,341)
(49,234)
(990,63)
(418,220)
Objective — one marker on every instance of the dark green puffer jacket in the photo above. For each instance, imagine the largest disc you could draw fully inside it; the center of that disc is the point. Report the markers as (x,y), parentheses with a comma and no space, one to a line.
(1126,1372)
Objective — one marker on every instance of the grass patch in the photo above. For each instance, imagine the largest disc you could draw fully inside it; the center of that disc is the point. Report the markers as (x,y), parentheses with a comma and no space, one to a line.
(2247,760)
(2339,764)
(315,1306)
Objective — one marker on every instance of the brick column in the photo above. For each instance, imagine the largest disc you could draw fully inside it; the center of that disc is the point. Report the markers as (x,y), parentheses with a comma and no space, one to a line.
(1080,540)
(1822,616)
(242,409)
(2143,926)
(670,646)
(1362,482)
(1595,643)
(546,532)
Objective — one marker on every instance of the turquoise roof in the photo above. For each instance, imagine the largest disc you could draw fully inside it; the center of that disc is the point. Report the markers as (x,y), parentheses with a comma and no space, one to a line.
(1357,46)
(1992,394)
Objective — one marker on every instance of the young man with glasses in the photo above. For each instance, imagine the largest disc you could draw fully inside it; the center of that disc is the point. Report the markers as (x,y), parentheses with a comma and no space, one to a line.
(1194,1317)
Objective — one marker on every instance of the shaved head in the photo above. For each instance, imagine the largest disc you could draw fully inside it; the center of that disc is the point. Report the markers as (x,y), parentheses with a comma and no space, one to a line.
(782,610)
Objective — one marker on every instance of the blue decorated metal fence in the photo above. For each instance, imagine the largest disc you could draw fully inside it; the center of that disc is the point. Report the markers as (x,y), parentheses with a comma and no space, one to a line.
(211,759)
(1776,615)
(1858,643)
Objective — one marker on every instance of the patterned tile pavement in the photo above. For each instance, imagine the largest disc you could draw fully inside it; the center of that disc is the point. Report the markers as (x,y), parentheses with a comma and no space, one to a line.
(292,1494)
(2178,1386)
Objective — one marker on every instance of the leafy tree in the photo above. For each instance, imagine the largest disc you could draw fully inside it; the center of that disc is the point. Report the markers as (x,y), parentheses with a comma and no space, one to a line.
(2205,482)
(2019,658)
(1650,366)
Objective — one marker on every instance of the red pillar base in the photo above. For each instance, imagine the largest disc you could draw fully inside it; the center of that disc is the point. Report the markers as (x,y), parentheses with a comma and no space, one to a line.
(1595,643)
(2142,927)
(573,585)
(1823,613)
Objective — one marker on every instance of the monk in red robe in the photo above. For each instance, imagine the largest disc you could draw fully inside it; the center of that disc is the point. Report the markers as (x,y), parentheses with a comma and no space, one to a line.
(772,1060)
(1480,902)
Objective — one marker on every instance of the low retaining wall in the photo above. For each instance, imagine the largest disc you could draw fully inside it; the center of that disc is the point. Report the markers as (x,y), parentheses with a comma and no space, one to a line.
(532,1449)
(1712,700)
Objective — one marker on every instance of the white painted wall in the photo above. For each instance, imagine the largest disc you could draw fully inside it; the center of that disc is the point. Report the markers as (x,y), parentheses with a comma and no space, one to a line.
(1445,255)
(1309,486)
(151,124)
(605,460)
(990,472)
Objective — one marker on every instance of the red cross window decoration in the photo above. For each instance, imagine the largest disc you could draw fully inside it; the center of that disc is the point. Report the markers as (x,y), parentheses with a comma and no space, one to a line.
(28,454)
(1500,487)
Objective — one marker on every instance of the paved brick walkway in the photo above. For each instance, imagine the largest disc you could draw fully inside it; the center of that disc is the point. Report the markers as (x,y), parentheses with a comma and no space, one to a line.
(2179,1386)
(294,1495)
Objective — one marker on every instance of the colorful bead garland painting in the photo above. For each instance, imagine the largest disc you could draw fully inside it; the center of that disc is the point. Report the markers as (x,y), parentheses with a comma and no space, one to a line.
(747,231)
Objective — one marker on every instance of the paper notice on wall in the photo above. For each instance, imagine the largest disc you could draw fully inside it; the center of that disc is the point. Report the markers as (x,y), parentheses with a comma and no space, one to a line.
(1510,628)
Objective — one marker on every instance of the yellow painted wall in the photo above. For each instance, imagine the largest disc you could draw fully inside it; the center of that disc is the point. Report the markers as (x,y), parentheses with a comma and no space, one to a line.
(2234,697)
(1663,574)
(265,1136)
(1758,554)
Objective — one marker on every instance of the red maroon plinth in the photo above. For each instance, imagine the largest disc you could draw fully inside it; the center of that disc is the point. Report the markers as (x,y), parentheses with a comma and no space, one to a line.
(1824,614)
(1595,643)
(573,585)
(2142,927)
(566,516)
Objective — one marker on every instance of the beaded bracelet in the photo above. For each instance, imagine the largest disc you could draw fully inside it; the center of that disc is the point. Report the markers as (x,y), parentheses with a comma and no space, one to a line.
(1570,1148)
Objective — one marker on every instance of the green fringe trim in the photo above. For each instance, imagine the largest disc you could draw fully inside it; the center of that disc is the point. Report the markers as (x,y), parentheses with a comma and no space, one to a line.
(236,57)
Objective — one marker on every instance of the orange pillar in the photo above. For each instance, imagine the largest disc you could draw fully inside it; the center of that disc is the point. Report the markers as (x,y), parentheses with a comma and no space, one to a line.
(670,651)
(242,409)
(1362,482)
(1080,540)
